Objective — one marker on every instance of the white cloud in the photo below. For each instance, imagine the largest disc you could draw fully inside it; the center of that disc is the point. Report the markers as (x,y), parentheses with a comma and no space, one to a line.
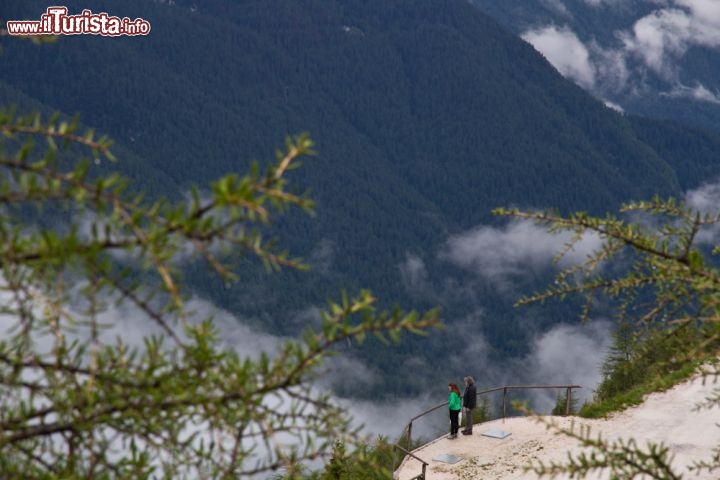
(565,52)
(707,12)
(614,106)
(658,36)
(612,71)
(307,318)
(653,46)
(568,354)
(698,92)
(558,6)
(132,325)
(345,373)
(414,275)
(389,418)
(470,347)
(609,3)
(515,249)
(321,257)
(706,199)
(234,333)
(661,38)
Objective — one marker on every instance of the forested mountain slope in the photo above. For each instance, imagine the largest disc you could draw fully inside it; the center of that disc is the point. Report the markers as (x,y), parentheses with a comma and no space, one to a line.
(426,115)
(658,59)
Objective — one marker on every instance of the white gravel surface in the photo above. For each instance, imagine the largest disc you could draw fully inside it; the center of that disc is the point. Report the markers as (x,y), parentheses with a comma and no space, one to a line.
(669,417)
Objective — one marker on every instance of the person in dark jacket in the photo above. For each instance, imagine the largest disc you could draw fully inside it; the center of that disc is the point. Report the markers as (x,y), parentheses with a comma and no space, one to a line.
(469,403)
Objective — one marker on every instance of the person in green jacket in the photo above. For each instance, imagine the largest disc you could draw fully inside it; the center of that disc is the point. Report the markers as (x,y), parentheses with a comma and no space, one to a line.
(454,404)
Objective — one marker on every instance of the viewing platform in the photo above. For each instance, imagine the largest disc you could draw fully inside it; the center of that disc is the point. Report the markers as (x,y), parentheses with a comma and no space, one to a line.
(478,456)
(491,443)
(669,417)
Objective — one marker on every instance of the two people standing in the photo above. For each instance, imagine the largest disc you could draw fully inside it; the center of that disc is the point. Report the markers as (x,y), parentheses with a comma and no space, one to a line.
(465,401)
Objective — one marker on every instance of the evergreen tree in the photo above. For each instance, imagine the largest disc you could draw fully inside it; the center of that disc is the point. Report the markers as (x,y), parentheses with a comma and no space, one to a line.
(669,290)
(561,406)
(482,412)
(617,374)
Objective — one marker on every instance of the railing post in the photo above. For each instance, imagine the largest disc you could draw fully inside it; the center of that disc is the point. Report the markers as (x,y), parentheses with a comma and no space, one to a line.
(568,397)
(409,436)
(505,394)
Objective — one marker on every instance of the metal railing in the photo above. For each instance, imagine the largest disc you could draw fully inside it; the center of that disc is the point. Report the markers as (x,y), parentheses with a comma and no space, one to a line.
(424,463)
(506,389)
